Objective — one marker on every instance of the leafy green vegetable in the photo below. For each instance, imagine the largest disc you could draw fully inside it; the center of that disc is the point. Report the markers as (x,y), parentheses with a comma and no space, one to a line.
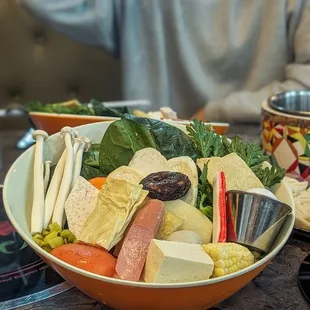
(205,194)
(95,107)
(101,110)
(207,211)
(72,107)
(89,172)
(170,141)
(250,152)
(209,144)
(120,142)
(270,176)
(91,157)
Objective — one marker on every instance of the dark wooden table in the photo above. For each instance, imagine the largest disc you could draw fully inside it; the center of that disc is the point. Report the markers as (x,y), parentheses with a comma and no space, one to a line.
(275,288)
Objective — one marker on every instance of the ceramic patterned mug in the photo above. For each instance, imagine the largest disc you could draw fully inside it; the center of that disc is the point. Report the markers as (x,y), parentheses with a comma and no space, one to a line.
(285,137)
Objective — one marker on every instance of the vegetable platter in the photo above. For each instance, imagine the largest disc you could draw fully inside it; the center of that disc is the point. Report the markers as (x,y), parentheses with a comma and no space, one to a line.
(139,203)
(52,117)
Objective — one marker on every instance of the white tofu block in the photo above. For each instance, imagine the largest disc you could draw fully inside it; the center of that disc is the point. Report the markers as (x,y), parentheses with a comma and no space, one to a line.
(176,262)
(79,204)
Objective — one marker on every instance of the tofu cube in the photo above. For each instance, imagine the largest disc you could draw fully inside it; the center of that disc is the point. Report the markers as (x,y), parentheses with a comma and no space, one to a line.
(176,262)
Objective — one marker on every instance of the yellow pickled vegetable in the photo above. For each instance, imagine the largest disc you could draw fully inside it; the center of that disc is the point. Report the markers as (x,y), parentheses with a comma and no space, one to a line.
(228,257)
(53,237)
(55,242)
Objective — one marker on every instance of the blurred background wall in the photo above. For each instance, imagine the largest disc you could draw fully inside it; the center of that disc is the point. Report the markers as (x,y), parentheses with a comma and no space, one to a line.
(37,63)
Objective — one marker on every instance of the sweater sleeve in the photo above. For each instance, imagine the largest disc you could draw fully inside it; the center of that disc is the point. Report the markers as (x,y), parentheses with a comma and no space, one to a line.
(246,105)
(88,21)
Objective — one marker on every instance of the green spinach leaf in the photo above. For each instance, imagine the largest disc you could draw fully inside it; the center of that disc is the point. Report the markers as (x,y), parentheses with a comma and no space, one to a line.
(101,110)
(170,141)
(120,142)
(89,172)
(91,157)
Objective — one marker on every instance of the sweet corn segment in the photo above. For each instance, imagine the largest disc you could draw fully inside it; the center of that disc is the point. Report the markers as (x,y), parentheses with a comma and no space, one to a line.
(228,257)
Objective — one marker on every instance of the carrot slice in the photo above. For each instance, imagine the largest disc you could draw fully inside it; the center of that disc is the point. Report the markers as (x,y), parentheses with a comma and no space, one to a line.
(97,182)
(87,258)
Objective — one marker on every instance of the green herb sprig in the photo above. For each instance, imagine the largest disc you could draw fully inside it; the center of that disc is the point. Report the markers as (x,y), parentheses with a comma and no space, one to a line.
(206,141)
(209,144)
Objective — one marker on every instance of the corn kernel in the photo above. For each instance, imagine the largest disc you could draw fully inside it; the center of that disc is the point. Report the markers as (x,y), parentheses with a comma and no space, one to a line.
(228,257)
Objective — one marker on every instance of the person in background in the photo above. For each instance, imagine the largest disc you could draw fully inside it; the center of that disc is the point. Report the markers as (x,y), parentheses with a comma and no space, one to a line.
(216,59)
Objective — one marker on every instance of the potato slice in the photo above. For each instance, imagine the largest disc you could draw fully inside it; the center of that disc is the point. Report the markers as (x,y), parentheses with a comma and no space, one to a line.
(126,173)
(186,165)
(193,219)
(170,224)
(147,161)
(238,175)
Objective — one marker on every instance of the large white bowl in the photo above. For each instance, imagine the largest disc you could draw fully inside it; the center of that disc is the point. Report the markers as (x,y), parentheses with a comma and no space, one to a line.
(119,294)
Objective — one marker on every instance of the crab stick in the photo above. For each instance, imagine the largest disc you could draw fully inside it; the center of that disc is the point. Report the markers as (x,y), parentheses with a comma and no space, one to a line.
(219,209)
(144,228)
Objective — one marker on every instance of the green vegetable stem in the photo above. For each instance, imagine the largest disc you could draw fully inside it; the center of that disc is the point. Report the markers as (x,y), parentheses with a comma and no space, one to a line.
(205,194)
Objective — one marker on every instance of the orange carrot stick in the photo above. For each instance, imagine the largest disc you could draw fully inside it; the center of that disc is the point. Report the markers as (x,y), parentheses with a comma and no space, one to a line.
(97,182)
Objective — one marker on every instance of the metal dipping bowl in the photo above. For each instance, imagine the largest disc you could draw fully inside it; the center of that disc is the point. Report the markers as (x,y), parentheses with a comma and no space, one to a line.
(292,102)
(285,135)
(254,220)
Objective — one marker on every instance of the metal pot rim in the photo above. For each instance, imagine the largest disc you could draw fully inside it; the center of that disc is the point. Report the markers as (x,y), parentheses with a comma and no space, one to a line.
(271,101)
(280,203)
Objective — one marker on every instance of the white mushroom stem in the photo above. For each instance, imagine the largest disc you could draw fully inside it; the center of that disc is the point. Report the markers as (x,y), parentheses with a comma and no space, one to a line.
(37,214)
(77,143)
(84,147)
(58,216)
(53,189)
(47,174)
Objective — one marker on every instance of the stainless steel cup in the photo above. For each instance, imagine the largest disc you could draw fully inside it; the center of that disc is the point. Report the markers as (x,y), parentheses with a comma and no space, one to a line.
(254,220)
(296,102)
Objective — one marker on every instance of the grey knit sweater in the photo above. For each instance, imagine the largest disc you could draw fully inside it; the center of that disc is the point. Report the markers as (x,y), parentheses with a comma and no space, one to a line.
(227,54)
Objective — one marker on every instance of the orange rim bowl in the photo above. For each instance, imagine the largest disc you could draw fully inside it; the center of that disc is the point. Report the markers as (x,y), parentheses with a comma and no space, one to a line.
(53,122)
(116,293)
